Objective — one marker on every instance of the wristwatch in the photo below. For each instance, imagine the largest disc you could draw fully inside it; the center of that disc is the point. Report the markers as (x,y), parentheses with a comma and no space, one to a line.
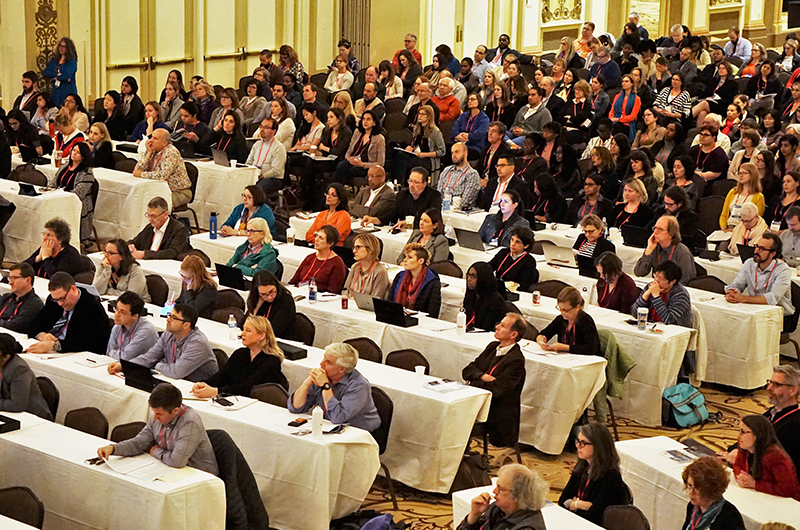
(326,386)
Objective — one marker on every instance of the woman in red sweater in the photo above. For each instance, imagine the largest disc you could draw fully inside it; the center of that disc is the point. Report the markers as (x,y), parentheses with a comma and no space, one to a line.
(324,266)
(615,289)
(761,463)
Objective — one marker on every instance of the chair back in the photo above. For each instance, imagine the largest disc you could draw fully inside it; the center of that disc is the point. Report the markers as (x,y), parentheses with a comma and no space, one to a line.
(221,356)
(626,517)
(402,136)
(227,298)
(222,315)
(157,288)
(700,270)
(394,122)
(86,276)
(538,247)
(303,330)
(194,252)
(511,308)
(279,271)
(319,79)
(367,349)
(772,54)
(98,106)
(721,187)
(50,393)
(549,57)
(790,323)
(447,268)
(549,288)
(22,505)
(271,393)
(118,156)
(127,165)
(446,127)
(192,172)
(531,332)
(126,431)
(89,420)
(709,210)
(408,359)
(385,407)
(707,283)
(394,106)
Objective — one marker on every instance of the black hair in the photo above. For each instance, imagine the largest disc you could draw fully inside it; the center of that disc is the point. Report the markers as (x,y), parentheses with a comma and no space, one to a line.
(79,102)
(546,185)
(260,279)
(188,314)
(612,265)
(422,171)
(132,83)
(190,107)
(525,235)
(117,102)
(376,129)
(60,280)
(259,198)
(777,244)
(165,396)
(671,271)
(331,234)
(127,258)
(341,193)
(485,285)
(765,437)
(133,300)
(9,346)
(678,195)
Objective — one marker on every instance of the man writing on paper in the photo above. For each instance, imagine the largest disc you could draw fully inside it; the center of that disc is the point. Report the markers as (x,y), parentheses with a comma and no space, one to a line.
(175,434)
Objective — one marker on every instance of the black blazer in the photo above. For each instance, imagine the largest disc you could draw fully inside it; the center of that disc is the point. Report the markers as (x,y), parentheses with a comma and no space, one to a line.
(280,314)
(608,490)
(174,243)
(555,105)
(103,156)
(506,115)
(582,340)
(68,260)
(586,265)
(485,167)
(204,300)
(136,113)
(88,329)
(604,209)
(487,312)
(236,148)
(553,209)
(509,373)
(517,184)
(115,125)
(523,272)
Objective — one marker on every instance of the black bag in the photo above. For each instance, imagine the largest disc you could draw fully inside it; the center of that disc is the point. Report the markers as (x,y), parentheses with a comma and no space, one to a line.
(473,471)
(356,520)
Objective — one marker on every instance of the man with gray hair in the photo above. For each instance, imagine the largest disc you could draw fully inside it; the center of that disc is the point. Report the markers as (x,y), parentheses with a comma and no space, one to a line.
(343,393)
(163,161)
(519,496)
(607,67)
(164,237)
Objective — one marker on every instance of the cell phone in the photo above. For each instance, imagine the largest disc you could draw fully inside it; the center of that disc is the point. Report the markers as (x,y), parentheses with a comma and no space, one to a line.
(223,401)
(335,430)
(395,231)
(96,461)
(299,297)
(632,322)
(298,422)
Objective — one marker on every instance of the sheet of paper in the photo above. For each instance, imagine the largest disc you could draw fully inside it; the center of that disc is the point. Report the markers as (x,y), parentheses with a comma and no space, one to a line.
(143,467)
(178,475)
(94,363)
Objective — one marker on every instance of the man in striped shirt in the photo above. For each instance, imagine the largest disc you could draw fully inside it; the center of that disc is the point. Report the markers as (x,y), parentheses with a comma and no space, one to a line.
(668,301)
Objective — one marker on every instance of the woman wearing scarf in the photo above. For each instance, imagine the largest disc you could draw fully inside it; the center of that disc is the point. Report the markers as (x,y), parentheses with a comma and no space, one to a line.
(706,479)
(625,109)
(417,287)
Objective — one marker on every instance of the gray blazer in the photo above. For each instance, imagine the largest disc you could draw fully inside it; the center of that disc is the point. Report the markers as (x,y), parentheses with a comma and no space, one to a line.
(19,391)
(534,122)
(438,247)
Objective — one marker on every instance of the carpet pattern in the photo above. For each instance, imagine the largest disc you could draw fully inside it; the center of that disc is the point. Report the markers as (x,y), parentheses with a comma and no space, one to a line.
(428,511)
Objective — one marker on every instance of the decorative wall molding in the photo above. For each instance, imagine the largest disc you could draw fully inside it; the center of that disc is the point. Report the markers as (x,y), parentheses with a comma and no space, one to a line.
(46,36)
(562,12)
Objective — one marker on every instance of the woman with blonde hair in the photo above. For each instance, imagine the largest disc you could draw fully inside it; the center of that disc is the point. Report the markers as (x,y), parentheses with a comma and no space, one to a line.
(205,99)
(367,275)
(228,100)
(748,189)
(100,143)
(258,362)
(198,288)
(567,52)
(427,146)
(257,253)
(342,100)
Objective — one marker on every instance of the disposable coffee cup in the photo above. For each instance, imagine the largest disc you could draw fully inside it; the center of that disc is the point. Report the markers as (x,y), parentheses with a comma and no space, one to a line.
(420,373)
(233,163)
(409,222)
(290,235)
(642,318)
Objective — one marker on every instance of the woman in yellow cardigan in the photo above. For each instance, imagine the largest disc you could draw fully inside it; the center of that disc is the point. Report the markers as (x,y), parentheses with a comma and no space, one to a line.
(748,189)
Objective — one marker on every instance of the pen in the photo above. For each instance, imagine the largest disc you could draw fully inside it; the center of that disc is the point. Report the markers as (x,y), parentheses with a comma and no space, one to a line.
(92,361)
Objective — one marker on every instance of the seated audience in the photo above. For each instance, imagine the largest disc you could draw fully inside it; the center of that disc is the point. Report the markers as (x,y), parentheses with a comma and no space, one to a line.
(748,230)
(591,244)
(515,263)
(748,189)
(228,101)
(72,320)
(634,209)
(706,479)
(615,289)
(337,214)
(170,107)
(665,244)
(411,202)
(254,205)
(519,496)
(483,304)
(506,181)
(163,161)
(100,144)
(336,386)
(500,369)
(187,443)
(460,180)
(367,149)
(198,288)
(417,287)
(132,108)
(532,117)
(639,168)
(257,363)
(324,266)
(268,293)
(192,128)
(19,391)
(66,135)
(19,307)
(182,351)
(548,204)
(595,482)
(55,253)
(257,253)
(667,300)
(761,462)
(471,127)
(269,156)
(683,177)
(497,228)
(226,137)
(152,121)
(76,176)
(367,275)
(430,235)
(712,162)
(790,238)
(590,202)
(531,164)
(22,134)
(163,238)
(426,150)
(775,215)
(674,204)
(495,148)
(772,288)
(119,272)
(112,116)
(376,199)
(574,329)
(132,334)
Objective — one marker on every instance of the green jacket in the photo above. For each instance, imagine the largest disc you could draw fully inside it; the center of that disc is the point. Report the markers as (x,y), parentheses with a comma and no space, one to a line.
(265,259)
(619,364)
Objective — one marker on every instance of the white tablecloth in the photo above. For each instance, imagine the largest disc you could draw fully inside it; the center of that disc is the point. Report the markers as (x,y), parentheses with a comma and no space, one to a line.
(658,490)
(11,524)
(23,233)
(430,429)
(121,201)
(49,459)
(565,236)
(555,517)
(331,475)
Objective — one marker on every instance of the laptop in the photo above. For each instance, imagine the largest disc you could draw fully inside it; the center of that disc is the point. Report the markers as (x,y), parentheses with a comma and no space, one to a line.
(635,236)
(363,301)
(186,149)
(559,256)
(27,189)
(138,376)
(536,225)
(127,147)
(470,239)
(231,277)
(221,159)
(28,154)
(746,252)
(393,313)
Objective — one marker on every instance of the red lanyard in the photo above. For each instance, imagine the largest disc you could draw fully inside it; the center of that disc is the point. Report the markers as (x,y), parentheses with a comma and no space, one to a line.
(536,206)
(501,189)
(173,351)
(19,303)
(489,155)
(671,252)
(70,176)
(627,218)
(311,268)
(260,161)
(458,179)
(582,487)
(766,286)
(779,418)
(360,278)
(583,209)
(469,123)
(584,245)
(248,251)
(122,333)
(365,141)
(699,514)
(699,152)
(226,144)
(522,171)
(501,274)
(171,432)
(785,208)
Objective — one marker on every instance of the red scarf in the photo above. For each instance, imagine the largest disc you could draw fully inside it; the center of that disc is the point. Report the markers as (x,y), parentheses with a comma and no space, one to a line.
(408,292)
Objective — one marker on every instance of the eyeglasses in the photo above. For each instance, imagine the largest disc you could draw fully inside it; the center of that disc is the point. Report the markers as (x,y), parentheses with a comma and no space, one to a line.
(765,249)
(14,278)
(659,229)
(504,165)
(154,216)
(173,317)
(331,194)
(472,275)
(58,300)
(358,247)
(109,253)
(705,134)
(244,195)
(561,309)
(769,381)
(669,203)
(742,431)
(273,292)
(252,231)
(582,443)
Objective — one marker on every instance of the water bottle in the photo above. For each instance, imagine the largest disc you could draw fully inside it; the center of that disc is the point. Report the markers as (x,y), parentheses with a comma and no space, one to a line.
(212,226)
(446,202)
(449,231)
(316,421)
(608,230)
(170,303)
(461,322)
(312,291)
(233,329)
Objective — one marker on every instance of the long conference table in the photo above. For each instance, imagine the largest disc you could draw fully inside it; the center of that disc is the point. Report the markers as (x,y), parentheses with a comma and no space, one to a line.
(50,459)
(658,490)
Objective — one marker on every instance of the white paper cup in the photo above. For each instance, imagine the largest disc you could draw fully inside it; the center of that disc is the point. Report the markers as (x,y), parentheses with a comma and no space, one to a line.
(420,373)
(233,163)
(410,222)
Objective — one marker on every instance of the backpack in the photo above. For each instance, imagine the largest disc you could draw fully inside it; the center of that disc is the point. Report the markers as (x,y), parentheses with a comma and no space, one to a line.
(473,471)
(683,406)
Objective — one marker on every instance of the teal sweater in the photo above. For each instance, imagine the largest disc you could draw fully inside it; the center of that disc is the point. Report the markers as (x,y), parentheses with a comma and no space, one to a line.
(265,259)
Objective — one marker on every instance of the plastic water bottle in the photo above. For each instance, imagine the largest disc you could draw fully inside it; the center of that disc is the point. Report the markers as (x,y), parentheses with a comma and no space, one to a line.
(170,303)
(461,322)
(316,421)
(446,202)
(212,226)
(233,329)
(608,230)
(312,291)
(449,231)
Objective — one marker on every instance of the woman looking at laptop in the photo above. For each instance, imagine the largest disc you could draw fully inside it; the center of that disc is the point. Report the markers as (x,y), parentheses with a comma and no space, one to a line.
(268,298)
(615,289)
(368,275)
(257,253)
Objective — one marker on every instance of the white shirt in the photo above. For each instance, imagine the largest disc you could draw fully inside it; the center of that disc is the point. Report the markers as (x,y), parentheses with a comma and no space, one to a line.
(158,236)
(503,350)
(372,195)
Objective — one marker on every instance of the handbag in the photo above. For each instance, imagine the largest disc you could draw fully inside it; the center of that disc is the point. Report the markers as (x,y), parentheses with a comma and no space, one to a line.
(683,406)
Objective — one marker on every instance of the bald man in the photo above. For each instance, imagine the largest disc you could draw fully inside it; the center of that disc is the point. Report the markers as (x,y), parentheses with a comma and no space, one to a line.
(376,199)
(162,161)
(460,179)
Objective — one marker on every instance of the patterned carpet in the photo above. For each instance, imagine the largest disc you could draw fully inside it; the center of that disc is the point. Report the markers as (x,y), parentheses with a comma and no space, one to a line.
(427,511)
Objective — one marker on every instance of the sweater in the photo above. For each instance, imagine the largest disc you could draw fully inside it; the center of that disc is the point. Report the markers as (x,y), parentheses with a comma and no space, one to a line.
(280,313)
(329,273)
(778,475)
(676,309)
(582,339)
(522,270)
(240,374)
(621,298)
(608,490)
(265,259)
(340,220)
(677,253)
(68,260)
